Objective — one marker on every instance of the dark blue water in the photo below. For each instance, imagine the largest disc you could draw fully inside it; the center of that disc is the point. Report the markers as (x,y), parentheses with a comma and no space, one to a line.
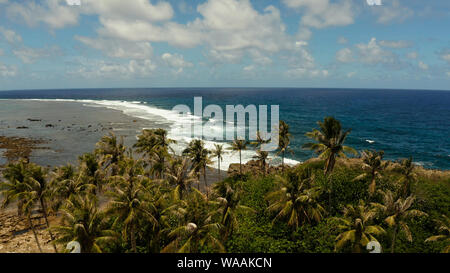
(403,123)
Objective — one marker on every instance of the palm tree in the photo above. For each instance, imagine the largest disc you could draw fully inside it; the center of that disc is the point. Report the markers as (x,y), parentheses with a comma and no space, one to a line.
(84,223)
(128,202)
(218,152)
(15,175)
(444,230)
(358,228)
(199,229)
(239,145)
(111,151)
(199,156)
(261,157)
(295,199)
(397,214)
(38,191)
(229,197)
(14,189)
(67,184)
(373,165)
(408,175)
(284,140)
(329,143)
(179,176)
(92,170)
(155,144)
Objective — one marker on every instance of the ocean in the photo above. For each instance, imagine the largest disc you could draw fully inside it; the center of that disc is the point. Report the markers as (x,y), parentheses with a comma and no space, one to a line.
(403,123)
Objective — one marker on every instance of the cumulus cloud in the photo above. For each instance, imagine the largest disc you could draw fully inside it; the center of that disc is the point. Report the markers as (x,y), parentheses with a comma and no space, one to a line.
(412,55)
(445,55)
(7,71)
(30,55)
(119,49)
(344,55)
(323,13)
(373,53)
(94,69)
(422,65)
(395,44)
(10,35)
(176,62)
(392,11)
(54,13)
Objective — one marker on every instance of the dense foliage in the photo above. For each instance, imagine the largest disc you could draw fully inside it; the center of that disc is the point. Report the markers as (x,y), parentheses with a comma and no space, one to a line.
(114,202)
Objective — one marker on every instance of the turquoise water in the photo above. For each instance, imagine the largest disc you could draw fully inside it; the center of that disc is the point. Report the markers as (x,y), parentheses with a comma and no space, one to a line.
(403,123)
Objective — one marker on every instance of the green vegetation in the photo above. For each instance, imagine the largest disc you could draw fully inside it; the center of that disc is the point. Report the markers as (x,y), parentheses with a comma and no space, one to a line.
(116,202)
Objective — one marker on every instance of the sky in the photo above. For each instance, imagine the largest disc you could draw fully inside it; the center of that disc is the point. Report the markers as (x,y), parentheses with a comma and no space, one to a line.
(50,44)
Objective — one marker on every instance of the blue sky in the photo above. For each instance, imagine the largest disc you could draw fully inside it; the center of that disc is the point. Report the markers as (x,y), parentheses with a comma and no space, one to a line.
(228,43)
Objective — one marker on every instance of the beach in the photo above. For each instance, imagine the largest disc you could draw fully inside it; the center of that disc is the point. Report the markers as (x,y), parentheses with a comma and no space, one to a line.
(54,133)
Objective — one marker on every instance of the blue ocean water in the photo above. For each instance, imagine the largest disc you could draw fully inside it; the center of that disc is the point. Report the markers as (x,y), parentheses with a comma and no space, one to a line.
(403,123)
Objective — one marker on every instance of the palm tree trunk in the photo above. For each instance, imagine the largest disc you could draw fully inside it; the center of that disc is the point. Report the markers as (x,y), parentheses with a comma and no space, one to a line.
(240,162)
(394,238)
(133,239)
(218,166)
(282,160)
(30,223)
(44,211)
(204,178)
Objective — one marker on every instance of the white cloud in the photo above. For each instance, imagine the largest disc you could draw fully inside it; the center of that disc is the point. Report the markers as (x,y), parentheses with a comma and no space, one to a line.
(30,55)
(351,74)
(395,44)
(392,11)
(372,53)
(176,62)
(10,35)
(344,55)
(323,13)
(7,71)
(422,65)
(94,69)
(55,13)
(135,10)
(412,55)
(119,49)
(445,55)
(342,40)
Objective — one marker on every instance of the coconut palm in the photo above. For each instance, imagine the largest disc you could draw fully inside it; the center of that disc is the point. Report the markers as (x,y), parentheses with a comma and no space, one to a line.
(284,140)
(261,157)
(66,184)
(38,191)
(155,144)
(15,175)
(239,145)
(358,227)
(329,143)
(408,175)
(397,213)
(218,152)
(18,188)
(444,230)
(199,230)
(228,199)
(295,199)
(199,157)
(111,151)
(128,200)
(373,165)
(179,176)
(92,170)
(84,223)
